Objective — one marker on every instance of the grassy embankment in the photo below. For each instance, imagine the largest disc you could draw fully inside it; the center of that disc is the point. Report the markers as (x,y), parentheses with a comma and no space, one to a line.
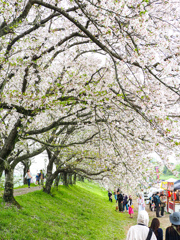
(77,212)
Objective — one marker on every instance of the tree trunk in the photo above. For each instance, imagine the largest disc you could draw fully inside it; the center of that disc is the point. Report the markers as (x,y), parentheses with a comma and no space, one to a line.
(9,142)
(8,189)
(49,182)
(62,177)
(49,178)
(74,179)
(81,178)
(57,179)
(1,172)
(65,180)
(70,178)
(26,167)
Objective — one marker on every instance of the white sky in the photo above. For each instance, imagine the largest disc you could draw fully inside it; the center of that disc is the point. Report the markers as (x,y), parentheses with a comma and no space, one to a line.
(39,162)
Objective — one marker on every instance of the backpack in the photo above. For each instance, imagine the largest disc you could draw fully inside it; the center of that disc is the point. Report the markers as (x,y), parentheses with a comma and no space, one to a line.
(155,199)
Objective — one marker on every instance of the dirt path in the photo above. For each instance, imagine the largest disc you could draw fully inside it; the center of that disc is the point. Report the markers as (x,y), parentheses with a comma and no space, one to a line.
(164,221)
(21,191)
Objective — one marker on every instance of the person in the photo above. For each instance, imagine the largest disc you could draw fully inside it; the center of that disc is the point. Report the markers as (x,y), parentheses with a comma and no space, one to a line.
(153,207)
(141,230)
(155,226)
(125,202)
(110,195)
(177,195)
(41,177)
(115,195)
(120,201)
(173,232)
(173,196)
(157,204)
(150,202)
(162,203)
(37,179)
(28,177)
(141,204)
(130,204)
(142,193)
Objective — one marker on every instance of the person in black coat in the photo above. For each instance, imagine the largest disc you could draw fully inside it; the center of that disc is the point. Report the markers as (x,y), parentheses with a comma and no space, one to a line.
(177,195)
(120,201)
(110,196)
(125,202)
(157,204)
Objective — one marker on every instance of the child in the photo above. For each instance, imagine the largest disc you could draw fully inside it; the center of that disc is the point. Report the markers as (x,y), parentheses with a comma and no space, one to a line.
(130,205)
(152,207)
(37,179)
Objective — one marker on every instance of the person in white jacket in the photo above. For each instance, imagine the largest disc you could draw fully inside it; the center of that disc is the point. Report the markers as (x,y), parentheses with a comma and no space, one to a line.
(28,177)
(141,230)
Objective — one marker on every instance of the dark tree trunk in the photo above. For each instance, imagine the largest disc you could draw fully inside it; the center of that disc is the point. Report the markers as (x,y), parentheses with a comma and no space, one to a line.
(65,180)
(10,142)
(49,177)
(1,172)
(49,182)
(74,179)
(62,177)
(57,179)
(26,165)
(81,178)
(8,189)
(5,152)
(70,178)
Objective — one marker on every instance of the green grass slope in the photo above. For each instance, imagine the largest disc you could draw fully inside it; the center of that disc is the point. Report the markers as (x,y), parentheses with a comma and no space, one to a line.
(77,212)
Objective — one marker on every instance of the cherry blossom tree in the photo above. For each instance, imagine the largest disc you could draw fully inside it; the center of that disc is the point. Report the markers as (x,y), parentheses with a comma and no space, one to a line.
(108,67)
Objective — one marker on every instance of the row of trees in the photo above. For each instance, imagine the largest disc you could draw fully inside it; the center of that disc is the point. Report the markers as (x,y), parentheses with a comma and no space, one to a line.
(95,84)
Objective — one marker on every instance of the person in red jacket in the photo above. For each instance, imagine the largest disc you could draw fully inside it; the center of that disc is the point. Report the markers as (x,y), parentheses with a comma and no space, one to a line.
(173,196)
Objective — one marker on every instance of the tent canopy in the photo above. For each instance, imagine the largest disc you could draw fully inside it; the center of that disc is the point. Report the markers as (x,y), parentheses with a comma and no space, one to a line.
(177,185)
(171,180)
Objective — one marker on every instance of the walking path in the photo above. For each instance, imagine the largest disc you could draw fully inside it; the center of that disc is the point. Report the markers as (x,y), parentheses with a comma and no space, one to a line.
(164,221)
(21,191)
